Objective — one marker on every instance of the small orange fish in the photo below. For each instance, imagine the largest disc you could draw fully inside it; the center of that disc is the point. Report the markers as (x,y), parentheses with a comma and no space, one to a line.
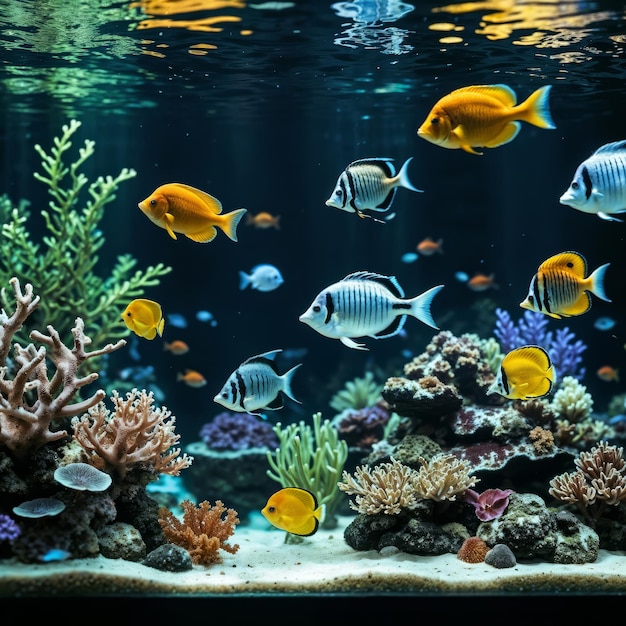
(482,282)
(294,510)
(428,246)
(191,378)
(607,373)
(176,347)
(263,220)
(483,116)
(184,209)
(144,318)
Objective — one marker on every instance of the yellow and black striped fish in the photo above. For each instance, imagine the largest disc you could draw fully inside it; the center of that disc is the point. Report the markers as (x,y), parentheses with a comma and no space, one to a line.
(560,288)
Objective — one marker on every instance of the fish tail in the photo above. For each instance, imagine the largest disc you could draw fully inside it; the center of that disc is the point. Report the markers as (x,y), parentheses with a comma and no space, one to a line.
(403,177)
(231,221)
(287,376)
(536,108)
(420,306)
(597,282)
(244,280)
(160,327)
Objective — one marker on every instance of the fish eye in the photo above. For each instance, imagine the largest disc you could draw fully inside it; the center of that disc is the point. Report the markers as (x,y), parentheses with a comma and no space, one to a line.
(339,193)
(574,185)
(570,265)
(153,202)
(224,395)
(531,299)
(434,121)
(128,314)
(317,308)
(272,509)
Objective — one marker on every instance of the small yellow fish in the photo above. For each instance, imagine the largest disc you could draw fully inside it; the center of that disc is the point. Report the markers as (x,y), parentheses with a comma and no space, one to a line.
(263,220)
(191,378)
(184,209)
(294,510)
(144,318)
(526,372)
(560,288)
(483,115)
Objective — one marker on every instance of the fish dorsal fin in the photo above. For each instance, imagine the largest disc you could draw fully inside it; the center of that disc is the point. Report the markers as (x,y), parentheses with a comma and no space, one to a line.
(212,203)
(303,495)
(611,148)
(385,164)
(390,282)
(533,353)
(573,262)
(503,93)
(267,358)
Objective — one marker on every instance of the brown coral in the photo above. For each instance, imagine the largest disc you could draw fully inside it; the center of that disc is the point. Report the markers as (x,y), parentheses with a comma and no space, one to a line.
(203,531)
(24,422)
(136,432)
(443,478)
(543,440)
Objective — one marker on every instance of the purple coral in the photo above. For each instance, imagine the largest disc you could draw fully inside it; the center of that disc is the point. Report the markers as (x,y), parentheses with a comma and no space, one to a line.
(489,504)
(9,530)
(240,431)
(564,349)
(364,427)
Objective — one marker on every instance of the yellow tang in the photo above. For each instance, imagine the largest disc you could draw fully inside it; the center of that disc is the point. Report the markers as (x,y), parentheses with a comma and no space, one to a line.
(294,510)
(526,372)
(144,318)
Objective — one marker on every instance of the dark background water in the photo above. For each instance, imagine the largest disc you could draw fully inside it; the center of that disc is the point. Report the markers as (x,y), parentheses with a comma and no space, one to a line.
(268,119)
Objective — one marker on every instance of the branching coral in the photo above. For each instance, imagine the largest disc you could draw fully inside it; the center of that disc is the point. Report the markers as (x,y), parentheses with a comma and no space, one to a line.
(25,420)
(310,458)
(599,481)
(572,401)
(62,265)
(136,432)
(203,530)
(443,477)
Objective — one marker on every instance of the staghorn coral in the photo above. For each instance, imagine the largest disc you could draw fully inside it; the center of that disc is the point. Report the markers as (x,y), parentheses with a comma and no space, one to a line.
(310,458)
(25,422)
(599,481)
(203,531)
(136,432)
(63,264)
(387,488)
(443,477)
(357,394)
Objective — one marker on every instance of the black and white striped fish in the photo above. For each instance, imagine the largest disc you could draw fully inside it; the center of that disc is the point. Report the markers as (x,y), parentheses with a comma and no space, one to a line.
(369,185)
(256,384)
(365,304)
(599,184)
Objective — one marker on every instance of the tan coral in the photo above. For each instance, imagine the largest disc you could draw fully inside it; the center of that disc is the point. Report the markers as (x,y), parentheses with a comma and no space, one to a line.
(203,531)
(543,440)
(136,432)
(25,422)
(443,478)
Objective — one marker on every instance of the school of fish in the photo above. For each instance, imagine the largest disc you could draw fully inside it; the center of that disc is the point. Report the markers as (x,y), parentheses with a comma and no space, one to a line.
(367,304)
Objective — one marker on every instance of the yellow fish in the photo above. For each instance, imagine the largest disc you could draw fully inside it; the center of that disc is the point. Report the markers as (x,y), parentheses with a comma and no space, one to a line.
(184,209)
(560,288)
(294,510)
(524,373)
(483,115)
(144,318)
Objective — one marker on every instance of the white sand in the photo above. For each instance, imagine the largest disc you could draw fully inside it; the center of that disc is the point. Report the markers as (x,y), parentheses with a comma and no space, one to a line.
(322,564)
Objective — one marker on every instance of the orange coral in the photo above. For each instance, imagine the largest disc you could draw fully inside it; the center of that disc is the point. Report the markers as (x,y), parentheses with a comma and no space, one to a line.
(203,531)
(473,550)
(543,440)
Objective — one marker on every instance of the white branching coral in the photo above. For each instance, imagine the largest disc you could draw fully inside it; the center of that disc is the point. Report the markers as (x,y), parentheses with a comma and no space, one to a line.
(387,488)
(136,432)
(571,401)
(443,477)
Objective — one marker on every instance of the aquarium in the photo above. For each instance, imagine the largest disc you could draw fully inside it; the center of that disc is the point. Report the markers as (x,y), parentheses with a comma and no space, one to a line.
(312,300)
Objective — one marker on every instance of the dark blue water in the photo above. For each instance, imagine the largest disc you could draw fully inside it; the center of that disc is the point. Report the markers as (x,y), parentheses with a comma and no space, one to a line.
(264,107)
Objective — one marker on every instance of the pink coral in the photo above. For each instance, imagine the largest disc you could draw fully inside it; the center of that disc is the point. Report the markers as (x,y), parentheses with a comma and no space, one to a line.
(489,504)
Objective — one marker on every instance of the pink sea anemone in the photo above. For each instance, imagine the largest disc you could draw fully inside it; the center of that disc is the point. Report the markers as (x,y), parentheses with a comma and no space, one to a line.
(489,504)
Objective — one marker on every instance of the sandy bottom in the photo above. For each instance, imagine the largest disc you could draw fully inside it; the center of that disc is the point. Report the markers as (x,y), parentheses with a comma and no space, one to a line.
(322,565)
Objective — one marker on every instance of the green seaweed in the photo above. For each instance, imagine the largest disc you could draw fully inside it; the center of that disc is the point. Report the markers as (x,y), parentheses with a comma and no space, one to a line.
(62,265)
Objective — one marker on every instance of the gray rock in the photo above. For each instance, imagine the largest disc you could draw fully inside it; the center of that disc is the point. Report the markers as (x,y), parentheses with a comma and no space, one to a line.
(169,558)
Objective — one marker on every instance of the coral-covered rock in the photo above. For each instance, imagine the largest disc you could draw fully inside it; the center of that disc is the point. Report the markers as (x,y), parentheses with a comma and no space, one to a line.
(169,558)
(426,397)
(121,541)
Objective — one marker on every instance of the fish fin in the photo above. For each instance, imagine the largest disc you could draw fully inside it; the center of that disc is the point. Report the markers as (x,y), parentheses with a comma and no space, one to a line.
(275,404)
(608,218)
(597,282)
(570,261)
(386,203)
(371,217)
(212,203)
(582,305)
(160,327)
(204,236)
(502,93)
(244,280)
(471,150)
(346,341)
(389,282)
(611,148)
(266,357)
(536,108)
(420,306)
(231,221)
(508,133)
(535,354)
(393,329)
(286,378)
(149,333)
(169,218)
(403,177)
(459,133)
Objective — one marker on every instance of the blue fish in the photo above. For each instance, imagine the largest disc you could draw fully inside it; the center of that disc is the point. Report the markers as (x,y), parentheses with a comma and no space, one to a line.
(55,554)
(177,320)
(604,323)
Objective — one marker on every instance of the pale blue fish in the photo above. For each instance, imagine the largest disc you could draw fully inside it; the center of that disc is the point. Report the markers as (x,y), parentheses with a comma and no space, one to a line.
(263,277)
(409,257)
(55,554)
(178,320)
(604,323)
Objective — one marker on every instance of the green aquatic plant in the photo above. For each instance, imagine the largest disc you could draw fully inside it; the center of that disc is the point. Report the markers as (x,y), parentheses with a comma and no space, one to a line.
(312,459)
(359,393)
(62,265)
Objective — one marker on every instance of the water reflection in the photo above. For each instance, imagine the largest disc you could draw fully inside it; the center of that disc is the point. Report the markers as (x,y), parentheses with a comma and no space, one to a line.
(369,17)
